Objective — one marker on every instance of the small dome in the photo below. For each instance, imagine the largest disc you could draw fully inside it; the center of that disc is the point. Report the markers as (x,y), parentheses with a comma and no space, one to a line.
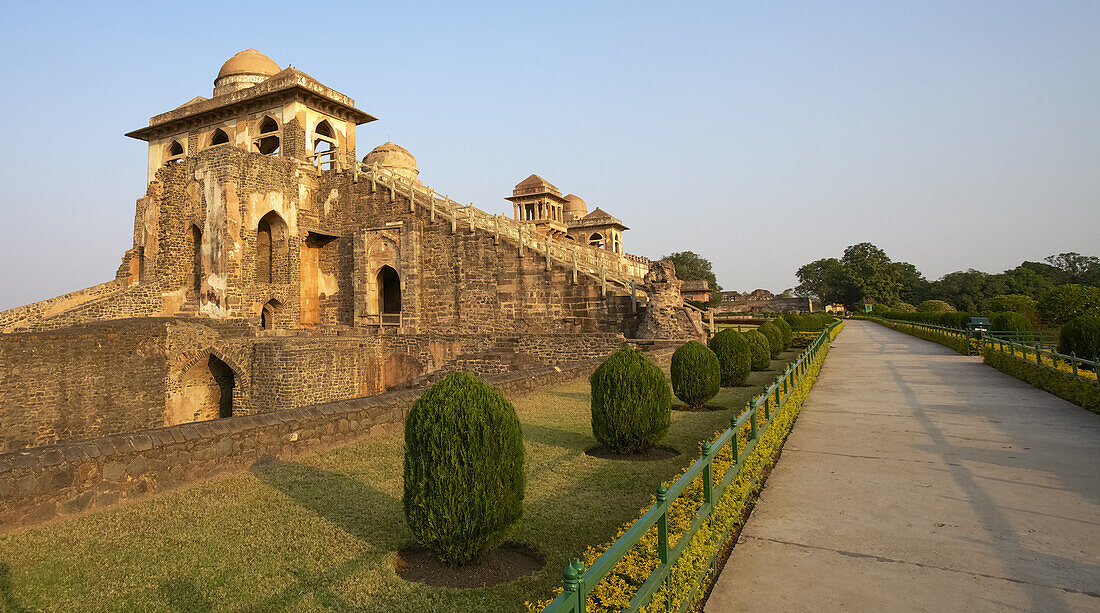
(249,62)
(575,207)
(394,157)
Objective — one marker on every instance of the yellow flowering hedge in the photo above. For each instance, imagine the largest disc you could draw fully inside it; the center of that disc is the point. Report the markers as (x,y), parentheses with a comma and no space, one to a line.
(1082,390)
(693,568)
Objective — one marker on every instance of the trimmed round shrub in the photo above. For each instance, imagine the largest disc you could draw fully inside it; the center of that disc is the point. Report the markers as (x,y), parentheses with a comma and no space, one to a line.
(1081,336)
(1009,320)
(774,336)
(631,402)
(785,329)
(696,375)
(734,357)
(464,477)
(759,349)
(935,306)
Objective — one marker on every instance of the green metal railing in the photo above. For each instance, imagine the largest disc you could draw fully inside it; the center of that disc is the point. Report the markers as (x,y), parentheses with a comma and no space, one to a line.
(1025,352)
(1043,339)
(1022,345)
(578,582)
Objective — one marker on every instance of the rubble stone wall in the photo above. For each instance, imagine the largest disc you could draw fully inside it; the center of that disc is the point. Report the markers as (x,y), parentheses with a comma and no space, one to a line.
(40,484)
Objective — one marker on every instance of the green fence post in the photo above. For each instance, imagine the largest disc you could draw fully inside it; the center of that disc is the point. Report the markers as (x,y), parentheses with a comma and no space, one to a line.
(752,418)
(570,582)
(1073,360)
(582,599)
(733,442)
(662,525)
(707,473)
(778,396)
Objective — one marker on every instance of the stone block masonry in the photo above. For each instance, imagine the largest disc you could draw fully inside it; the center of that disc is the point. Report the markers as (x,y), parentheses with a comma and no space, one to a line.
(40,484)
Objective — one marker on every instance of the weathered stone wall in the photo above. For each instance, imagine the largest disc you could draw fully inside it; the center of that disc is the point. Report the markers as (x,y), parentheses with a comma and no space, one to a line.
(13,319)
(101,379)
(125,375)
(43,483)
(666,316)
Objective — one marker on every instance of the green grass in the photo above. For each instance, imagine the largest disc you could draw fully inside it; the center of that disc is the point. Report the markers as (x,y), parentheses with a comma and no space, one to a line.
(320,533)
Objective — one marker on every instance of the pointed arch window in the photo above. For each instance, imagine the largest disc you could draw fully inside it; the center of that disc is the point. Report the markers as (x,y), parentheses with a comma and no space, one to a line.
(268,141)
(324,146)
(218,137)
(174,153)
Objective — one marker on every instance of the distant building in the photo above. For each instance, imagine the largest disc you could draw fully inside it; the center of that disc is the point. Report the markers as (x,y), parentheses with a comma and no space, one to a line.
(763,301)
(697,290)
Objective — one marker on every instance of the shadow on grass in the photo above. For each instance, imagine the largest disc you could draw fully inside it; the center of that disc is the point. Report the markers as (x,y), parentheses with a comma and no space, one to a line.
(7,600)
(579,396)
(559,438)
(184,597)
(346,502)
(364,512)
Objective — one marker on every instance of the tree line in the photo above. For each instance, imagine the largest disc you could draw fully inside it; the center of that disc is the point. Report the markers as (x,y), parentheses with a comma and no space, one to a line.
(865,272)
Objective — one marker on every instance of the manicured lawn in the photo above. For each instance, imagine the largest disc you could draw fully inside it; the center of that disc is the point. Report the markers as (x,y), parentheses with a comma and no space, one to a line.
(321,533)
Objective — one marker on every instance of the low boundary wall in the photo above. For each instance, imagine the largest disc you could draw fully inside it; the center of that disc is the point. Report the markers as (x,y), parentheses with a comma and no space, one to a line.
(44,483)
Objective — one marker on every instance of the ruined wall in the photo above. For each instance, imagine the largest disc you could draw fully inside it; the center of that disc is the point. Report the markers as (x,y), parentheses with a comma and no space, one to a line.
(22,316)
(666,316)
(102,379)
(59,480)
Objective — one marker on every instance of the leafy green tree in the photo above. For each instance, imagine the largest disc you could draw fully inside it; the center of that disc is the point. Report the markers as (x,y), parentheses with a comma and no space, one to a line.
(1078,269)
(1028,281)
(823,279)
(871,274)
(690,266)
(1016,303)
(912,286)
(1065,302)
(968,290)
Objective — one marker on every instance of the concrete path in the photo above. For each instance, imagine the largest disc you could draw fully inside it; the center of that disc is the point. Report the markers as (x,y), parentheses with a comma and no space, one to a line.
(917,479)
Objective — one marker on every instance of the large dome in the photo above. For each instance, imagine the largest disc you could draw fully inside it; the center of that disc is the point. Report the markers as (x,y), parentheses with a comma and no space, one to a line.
(250,62)
(244,70)
(575,207)
(394,157)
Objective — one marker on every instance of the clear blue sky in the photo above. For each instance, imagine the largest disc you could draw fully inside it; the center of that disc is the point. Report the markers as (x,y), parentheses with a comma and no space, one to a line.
(760,135)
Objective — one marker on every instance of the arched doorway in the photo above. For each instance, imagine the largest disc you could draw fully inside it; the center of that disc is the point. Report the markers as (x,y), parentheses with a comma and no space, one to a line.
(596,240)
(389,293)
(269,314)
(223,376)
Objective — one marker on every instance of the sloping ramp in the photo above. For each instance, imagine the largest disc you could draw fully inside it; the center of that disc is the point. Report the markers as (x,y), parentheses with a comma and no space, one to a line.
(917,479)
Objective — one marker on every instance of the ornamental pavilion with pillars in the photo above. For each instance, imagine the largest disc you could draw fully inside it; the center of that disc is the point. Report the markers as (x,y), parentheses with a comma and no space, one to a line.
(537,202)
(540,204)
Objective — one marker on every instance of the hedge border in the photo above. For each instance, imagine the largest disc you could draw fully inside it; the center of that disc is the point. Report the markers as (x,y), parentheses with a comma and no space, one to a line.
(1081,392)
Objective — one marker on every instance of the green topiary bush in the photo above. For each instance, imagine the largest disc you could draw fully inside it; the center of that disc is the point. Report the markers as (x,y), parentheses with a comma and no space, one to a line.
(631,402)
(1009,320)
(935,306)
(464,476)
(1081,335)
(785,329)
(774,336)
(734,357)
(696,375)
(759,349)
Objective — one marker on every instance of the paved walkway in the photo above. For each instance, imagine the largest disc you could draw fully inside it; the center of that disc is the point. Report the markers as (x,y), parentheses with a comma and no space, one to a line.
(917,479)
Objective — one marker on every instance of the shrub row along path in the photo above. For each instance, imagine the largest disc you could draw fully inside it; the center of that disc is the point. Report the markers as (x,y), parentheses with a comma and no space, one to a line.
(918,479)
